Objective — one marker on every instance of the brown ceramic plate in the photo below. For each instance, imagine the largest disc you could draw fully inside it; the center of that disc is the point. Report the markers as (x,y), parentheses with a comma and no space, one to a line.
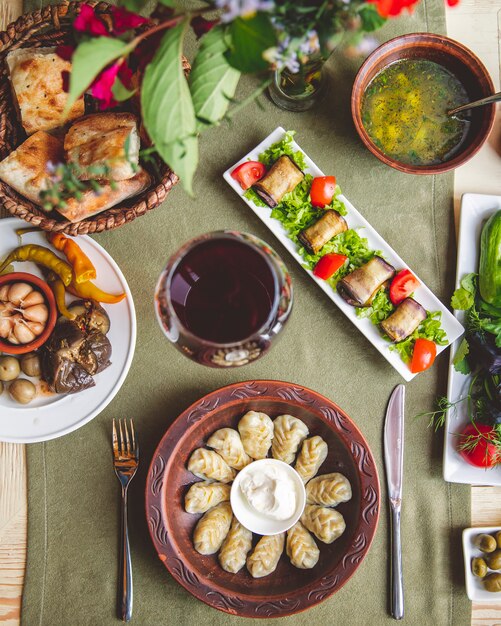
(455,57)
(288,590)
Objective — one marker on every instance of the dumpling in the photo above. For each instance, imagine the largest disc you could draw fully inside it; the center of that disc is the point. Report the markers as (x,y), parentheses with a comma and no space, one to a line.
(288,433)
(326,524)
(301,547)
(209,465)
(313,453)
(227,442)
(212,529)
(328,490)
(235,547)
(203,496)
(265,556)
(256,432)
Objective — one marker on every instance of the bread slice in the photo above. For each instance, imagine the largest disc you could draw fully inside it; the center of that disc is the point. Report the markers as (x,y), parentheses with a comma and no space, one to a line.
(35,75)
(92,203)
(100,141)
(25,169)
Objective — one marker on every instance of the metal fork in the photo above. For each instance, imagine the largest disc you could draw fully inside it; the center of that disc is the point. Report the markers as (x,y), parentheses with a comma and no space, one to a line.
(125,462)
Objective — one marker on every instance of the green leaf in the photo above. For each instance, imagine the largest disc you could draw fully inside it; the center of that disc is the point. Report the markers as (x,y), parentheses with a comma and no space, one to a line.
(168,113)
(459,361)
(371,20)
(120,91)
(212,79)
(182,156)
(250,37)
(133,5)
(464,296)
(168,3)
(89,59)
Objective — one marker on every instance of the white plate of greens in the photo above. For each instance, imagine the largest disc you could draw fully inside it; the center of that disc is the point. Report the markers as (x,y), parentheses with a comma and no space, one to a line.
(359,243)
(475,210)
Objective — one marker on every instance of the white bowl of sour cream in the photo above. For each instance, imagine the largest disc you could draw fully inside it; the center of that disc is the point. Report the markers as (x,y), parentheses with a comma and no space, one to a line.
(268,497)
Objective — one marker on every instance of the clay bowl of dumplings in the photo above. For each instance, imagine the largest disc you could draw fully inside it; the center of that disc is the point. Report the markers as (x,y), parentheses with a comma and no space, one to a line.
(287,590)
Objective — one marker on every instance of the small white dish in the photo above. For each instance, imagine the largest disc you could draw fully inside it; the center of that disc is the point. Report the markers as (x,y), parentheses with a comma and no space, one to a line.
(257,522)
(53,415)
(474,585)
(475,210)
(356,221)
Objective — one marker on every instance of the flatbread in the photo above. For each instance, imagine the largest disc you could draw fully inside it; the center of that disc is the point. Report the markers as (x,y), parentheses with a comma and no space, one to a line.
(100,140)
(92,203)
(25,169)
(35,75)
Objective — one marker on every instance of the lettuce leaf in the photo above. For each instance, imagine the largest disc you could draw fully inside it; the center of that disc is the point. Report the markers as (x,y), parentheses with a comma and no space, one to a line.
(430,328)
(381,308)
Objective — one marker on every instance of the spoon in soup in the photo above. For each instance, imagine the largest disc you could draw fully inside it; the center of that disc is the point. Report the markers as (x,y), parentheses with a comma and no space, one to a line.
(476,103)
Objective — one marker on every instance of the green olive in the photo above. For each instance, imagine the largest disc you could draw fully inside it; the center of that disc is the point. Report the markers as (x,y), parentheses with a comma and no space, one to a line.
(498,538)
(30,364)
(486,543)
(494,560)
(9,368)
(22,390)
(493,582)
(479,567)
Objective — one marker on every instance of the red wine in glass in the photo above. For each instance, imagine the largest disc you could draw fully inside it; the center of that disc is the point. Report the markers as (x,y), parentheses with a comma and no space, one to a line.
(223,297)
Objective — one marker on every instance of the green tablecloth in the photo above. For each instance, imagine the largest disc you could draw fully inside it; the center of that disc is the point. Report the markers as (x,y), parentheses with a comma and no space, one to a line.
(73,493)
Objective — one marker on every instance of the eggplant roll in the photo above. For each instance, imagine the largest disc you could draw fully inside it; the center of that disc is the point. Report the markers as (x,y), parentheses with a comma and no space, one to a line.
(404,321)
(323,230)
(283,177)
(360,287)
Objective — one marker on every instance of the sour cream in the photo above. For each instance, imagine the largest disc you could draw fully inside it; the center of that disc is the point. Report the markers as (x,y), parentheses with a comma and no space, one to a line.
(269,490)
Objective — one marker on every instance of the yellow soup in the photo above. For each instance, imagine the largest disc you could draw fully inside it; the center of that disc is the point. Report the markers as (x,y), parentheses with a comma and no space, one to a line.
(404,111)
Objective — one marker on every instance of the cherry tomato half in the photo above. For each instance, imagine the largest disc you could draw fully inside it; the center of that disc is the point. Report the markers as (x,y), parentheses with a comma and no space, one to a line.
(475,446)
(329,264)
(322,190)
(423,355)
(248,173)
(402,286)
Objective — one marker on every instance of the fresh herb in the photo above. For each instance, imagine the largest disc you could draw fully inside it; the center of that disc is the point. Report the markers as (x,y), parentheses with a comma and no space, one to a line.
(464,296)
(460,361)
(380,308)
(63,183)
(430,328)
(436,419)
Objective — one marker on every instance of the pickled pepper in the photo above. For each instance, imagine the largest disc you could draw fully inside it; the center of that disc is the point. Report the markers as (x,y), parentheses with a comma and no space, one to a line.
(83,269)
(41,256)
(89,290)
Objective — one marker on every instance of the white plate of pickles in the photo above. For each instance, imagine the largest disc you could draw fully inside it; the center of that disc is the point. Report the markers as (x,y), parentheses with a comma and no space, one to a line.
(49,414)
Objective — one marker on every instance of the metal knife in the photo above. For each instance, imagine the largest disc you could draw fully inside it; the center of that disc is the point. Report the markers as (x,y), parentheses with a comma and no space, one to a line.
(394,462)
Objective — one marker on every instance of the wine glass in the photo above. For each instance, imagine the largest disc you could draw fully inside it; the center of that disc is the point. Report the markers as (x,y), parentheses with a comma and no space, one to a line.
(223,298)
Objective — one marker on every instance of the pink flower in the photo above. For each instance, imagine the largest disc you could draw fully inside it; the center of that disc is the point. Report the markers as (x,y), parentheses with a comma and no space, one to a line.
(124,20)
(201,26)
(102,87)
(88,22)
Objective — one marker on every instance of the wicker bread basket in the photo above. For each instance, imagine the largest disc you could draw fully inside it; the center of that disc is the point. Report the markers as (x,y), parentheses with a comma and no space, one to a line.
(51,26)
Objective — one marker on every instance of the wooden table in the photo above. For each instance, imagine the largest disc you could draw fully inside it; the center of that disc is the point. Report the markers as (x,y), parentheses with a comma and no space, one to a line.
(476,23)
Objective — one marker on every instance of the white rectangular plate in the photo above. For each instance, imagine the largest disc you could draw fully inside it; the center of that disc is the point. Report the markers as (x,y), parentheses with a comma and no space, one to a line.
(474,586)
(355,220)
(475,209)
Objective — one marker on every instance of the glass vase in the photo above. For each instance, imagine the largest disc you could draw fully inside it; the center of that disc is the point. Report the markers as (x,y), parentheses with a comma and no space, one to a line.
(299,91)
